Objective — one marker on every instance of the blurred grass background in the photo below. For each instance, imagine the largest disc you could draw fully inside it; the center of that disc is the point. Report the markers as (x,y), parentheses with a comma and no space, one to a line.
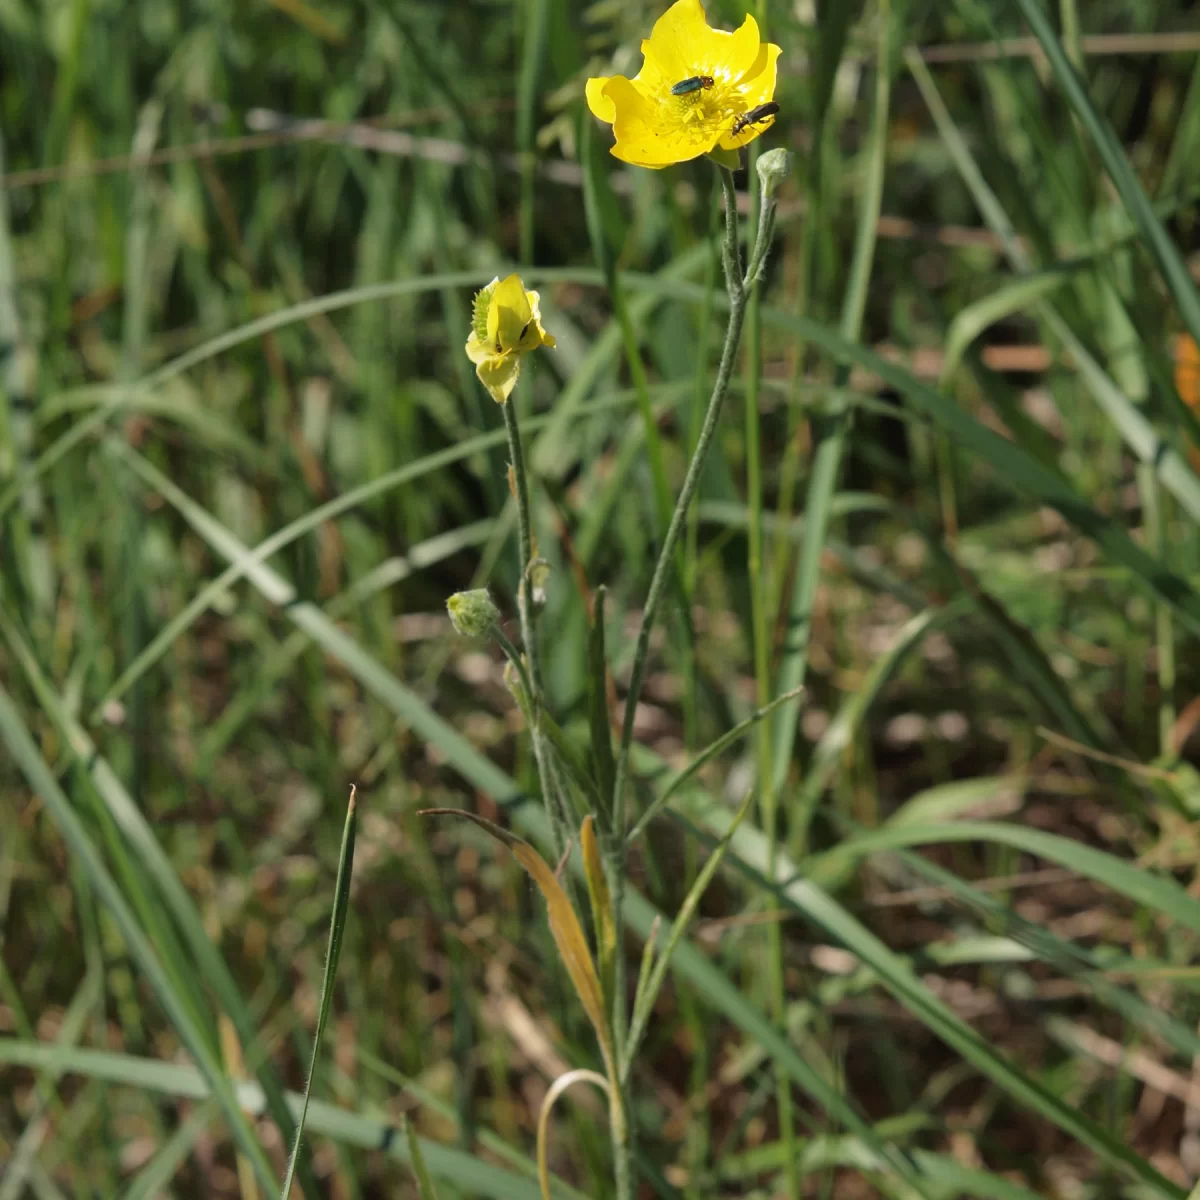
(237,250)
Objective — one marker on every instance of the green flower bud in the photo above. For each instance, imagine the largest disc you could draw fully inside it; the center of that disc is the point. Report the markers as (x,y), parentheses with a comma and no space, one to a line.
(472,613)
(773,168)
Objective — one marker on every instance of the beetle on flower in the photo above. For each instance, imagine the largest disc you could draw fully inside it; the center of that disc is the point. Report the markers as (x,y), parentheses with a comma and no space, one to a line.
(506,325)
(655,124)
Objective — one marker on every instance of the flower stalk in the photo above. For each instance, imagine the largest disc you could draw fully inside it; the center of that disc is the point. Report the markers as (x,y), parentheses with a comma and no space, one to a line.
(552,794)
(737,283)
(700,91)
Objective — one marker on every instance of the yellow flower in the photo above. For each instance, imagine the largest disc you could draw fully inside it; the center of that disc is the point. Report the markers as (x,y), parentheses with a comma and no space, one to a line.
(507,324)
(730,75)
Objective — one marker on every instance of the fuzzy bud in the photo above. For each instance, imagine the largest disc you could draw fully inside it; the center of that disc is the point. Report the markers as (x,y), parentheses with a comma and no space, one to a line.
(773,168)
(472,613)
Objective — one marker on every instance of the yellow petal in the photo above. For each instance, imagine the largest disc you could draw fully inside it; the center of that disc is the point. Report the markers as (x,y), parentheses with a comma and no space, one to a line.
(757,87)
(601,106)
(534,335)
(508,314)
(478,351)
(645,139)
(682,44)
(498,373)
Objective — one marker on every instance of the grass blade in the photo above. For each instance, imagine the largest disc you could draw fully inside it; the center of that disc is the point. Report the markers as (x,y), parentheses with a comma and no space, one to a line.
(702,759)
(147,850)
(1014,466)
(841,730)
(1120,171)
(688,962)
(599,722)
(21,745)
(802,896)
(368,1132)
(830,433)
(416,1160)
(648,993)
(1158,892)
(1140,435)
(337,926)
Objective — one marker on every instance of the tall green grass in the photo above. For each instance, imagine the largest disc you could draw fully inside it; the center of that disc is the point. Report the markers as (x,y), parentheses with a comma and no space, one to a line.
(242,465)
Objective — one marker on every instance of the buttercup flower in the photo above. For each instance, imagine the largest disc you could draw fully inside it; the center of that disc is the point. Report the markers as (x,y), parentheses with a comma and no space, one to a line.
(694,84)
(507,324)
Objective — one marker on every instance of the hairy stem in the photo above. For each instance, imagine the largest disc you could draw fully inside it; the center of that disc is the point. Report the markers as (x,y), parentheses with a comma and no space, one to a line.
(662,568)
(624,1132)
(551,795)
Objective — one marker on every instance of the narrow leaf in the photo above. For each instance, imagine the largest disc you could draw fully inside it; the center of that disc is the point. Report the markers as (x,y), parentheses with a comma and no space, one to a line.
(850,716)
(573,763)
(898,977)
(416,1160)
(602,914)
(597,689)
(706,756)
(15,734)
(658,973)
(564,924)
(337,925)
(1170,262)
(561,1084)
(971,321)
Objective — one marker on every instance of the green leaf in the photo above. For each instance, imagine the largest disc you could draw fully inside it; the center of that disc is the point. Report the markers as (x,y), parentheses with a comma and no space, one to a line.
(1158,892)
(841,730)
(971,321)
(460,1170)
(598,715)
(687,961)
(1170,262)
(648,991)
(337,926)
(706,756)
(897,976)
(1014,467)
(416,1160)
(25,754)
(149,855)
(830,433)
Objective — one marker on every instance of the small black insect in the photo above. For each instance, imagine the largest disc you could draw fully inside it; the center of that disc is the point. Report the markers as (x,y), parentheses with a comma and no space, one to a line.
(761,113)
(694,84)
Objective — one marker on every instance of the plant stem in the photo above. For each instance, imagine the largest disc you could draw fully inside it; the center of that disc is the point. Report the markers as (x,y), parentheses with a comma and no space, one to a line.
(551,796)
(662,568)
(762,221)
(624,1133)
(621,1132)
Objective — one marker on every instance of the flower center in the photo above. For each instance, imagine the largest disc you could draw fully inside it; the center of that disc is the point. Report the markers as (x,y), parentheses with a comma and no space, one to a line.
(703,109)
